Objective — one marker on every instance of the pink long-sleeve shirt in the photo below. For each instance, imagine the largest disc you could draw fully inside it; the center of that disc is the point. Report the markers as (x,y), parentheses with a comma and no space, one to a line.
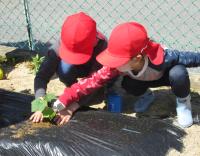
(87,85)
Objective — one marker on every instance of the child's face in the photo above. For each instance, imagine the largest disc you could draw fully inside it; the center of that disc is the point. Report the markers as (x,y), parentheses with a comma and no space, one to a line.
(135,64)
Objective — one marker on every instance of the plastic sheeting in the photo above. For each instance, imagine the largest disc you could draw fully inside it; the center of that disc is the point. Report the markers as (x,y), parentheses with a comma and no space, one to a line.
(90,132)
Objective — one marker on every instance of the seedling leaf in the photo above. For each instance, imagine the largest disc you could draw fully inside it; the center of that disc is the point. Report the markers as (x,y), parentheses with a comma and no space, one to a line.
(48,113)
(49,97)
(38,105)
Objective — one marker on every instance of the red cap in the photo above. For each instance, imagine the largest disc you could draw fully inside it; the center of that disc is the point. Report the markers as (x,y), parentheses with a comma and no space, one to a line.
(126,41)
(78,36)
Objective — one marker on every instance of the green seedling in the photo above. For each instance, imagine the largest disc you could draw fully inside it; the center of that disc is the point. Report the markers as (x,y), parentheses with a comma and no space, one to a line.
(41,104)
(36,62)
(49,97)
(38,105)
(48,113)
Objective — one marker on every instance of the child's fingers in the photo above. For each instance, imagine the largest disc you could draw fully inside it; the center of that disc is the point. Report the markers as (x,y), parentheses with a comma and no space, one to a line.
(41,119)
(32,116)
(68,118)
(62,121)
(35,118)
(65,119)
(38,118)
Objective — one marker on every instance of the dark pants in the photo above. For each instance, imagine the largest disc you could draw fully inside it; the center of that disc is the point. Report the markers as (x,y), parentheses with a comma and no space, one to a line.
(177,77)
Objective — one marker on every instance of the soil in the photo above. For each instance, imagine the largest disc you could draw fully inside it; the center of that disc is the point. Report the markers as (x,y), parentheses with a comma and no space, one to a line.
(19,78)
(28,129)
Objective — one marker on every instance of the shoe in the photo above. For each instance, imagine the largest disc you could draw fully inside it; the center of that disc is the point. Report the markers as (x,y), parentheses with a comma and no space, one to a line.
(184,112)
(144,101)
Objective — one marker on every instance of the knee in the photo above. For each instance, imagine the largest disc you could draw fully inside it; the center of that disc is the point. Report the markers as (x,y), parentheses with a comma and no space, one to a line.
(134,87)
(178,74)
(125,84)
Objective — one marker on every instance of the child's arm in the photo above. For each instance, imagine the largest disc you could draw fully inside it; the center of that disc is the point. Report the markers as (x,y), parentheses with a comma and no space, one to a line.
(186,58)
(87,85)
(46,71)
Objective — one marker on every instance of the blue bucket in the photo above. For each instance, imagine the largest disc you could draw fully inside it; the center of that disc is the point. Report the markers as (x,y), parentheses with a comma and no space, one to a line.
(114,103)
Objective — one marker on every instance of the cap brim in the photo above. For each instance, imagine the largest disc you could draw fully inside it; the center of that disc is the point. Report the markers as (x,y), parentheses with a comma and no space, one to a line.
(71,57)
(106,59)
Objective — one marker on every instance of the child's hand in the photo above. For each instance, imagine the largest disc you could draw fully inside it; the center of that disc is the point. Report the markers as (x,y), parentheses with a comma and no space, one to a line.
(65,115)
(36,117)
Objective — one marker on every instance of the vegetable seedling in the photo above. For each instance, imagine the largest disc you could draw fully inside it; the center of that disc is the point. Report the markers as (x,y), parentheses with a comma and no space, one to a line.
(41,104)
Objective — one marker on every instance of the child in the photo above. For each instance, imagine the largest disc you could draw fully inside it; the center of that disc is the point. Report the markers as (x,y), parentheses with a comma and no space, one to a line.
(73,57)
(145,64)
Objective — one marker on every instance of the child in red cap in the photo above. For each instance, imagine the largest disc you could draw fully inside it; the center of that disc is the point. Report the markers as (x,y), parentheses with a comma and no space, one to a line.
(73,57)
(145,64)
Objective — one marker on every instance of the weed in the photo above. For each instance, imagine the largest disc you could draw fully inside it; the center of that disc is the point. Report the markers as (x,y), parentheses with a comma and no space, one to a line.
(36,62)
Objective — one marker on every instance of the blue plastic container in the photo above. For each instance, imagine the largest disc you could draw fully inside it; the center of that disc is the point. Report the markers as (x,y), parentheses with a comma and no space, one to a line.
(114,103)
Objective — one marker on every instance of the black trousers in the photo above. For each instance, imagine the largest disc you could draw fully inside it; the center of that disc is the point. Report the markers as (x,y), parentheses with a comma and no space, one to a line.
(177,77)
